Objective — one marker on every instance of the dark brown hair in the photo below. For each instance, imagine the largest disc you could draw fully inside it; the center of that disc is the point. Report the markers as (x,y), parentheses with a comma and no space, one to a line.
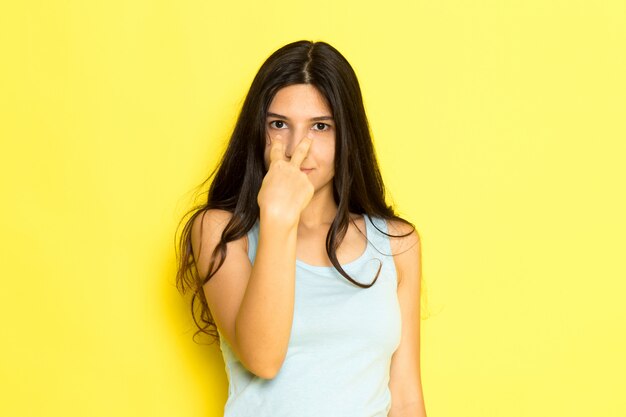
(357,184)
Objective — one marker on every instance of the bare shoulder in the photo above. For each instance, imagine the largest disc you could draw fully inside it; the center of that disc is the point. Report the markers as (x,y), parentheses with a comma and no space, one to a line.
(406,250)
(408,236)
(206,233)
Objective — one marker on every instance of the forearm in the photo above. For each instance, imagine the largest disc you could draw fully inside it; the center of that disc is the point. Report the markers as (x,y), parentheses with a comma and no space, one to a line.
(263,324)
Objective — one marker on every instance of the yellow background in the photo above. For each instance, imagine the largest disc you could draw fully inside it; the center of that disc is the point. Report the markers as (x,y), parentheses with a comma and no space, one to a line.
(500,128)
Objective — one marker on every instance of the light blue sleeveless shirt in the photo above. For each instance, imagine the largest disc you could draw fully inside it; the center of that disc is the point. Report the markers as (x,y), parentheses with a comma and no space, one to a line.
(342,339)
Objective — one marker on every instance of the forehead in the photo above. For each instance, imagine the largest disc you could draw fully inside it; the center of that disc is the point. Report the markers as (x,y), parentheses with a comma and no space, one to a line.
(300,100)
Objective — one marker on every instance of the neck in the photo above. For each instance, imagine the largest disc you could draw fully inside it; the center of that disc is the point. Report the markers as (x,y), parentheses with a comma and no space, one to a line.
(320,212)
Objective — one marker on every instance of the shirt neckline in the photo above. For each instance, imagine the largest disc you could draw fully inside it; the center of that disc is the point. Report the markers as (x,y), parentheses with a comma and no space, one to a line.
(355,262)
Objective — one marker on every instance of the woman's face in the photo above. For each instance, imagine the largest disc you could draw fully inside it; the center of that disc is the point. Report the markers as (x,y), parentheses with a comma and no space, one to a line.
(297,111)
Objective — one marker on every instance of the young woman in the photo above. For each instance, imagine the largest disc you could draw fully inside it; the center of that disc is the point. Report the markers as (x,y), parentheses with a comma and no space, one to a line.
(308,279)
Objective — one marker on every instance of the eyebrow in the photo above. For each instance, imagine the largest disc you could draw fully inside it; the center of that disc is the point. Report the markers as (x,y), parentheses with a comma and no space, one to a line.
(312,119)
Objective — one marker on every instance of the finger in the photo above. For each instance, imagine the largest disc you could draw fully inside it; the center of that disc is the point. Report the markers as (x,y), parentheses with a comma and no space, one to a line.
(277,150)
(301,151)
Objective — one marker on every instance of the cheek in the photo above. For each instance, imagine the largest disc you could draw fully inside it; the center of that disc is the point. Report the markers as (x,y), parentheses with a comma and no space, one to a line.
(324,160)
(266,158)
(266,152)
(329,155)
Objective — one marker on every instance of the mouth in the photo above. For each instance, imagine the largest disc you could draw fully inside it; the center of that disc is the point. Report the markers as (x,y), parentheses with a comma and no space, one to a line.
(306,170)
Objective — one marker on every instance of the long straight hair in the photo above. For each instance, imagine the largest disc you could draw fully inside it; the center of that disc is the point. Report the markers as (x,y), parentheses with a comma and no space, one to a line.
(357,185)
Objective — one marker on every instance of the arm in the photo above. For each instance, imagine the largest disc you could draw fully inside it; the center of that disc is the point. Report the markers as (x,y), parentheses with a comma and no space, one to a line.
(263,325)
(251,305)
(405,381)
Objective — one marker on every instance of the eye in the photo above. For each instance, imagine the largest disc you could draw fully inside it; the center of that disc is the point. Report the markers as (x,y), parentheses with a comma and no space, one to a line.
(277,124)
(322,126)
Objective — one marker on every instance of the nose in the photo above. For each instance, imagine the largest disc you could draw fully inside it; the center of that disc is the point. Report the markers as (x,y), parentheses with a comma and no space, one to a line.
(289,147)
(291,140)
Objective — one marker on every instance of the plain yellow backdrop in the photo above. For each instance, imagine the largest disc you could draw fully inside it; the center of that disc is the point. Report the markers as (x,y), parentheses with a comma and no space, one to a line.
(500,127)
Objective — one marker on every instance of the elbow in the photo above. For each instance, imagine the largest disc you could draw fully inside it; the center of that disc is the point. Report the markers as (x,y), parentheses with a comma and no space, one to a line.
(263,367)
(272,368)
(263,370)
(263,361)
(266,373)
